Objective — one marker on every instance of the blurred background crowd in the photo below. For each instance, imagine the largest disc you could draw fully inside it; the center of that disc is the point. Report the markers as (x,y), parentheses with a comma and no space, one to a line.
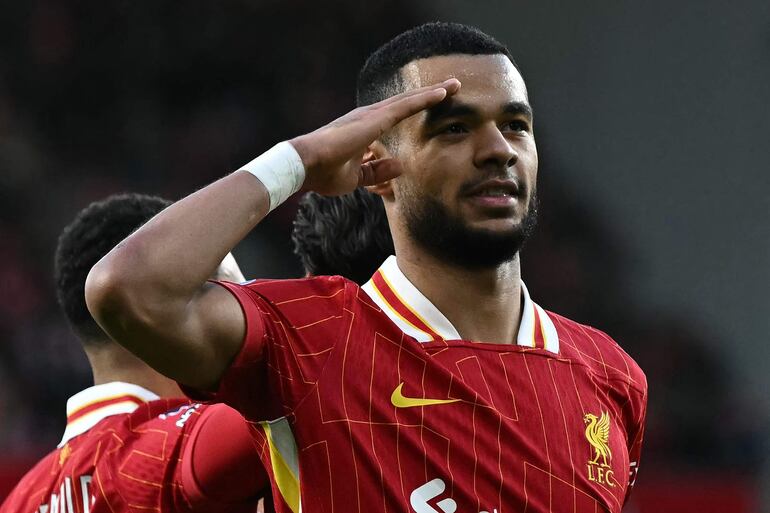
(654,189)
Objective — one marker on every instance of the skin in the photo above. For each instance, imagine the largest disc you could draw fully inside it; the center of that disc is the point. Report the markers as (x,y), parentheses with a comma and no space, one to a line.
(439,157)
(150,292)
(112,362)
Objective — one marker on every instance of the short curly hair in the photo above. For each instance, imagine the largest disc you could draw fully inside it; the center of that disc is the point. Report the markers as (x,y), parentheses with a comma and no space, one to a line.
(92,234)
(342,235)
(380,76)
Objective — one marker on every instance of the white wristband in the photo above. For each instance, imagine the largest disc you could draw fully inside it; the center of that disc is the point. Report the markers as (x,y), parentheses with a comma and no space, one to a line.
(281,171)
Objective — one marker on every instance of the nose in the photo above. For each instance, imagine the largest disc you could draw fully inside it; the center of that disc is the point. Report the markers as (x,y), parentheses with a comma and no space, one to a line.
(494,150)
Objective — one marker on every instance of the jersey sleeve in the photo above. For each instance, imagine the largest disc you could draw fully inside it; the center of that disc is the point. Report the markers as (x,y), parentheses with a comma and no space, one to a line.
(221,466)
(627,386)
(291,328)
(636,437)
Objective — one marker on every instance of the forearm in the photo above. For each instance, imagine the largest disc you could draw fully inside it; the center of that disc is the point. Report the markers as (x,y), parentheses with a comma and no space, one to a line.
(174,254)
(150,292)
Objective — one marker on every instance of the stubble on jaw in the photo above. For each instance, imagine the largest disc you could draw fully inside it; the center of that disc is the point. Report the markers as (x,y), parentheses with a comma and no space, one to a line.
(447,237)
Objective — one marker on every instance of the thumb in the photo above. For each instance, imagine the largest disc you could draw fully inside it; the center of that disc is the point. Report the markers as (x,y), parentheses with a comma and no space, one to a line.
(378,171)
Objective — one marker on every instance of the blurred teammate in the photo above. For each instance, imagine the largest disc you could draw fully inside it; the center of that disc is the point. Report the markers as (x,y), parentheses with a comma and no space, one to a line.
(346,235)
(131,443)
(439,385)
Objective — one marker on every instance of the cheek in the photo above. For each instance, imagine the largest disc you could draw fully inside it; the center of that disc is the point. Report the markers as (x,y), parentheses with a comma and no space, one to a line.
(426,172)
(446,168)
(528,160)
(441,180)
(533,168)
(434,169)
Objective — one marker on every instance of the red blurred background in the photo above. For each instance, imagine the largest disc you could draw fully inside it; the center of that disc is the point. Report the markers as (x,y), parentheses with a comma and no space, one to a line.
(654,216)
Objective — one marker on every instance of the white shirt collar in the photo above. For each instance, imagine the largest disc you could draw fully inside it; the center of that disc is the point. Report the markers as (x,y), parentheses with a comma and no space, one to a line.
(88,407)
(416,316)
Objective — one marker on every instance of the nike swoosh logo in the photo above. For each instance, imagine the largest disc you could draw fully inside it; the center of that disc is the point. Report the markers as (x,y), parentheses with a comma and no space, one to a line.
(400,401)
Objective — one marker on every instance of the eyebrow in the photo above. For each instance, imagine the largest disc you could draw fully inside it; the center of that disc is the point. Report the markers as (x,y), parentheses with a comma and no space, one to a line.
(518,108)
(454,109)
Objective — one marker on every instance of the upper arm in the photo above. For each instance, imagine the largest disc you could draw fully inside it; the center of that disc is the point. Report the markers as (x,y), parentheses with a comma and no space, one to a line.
(192,342)
(291,327)
(214,326)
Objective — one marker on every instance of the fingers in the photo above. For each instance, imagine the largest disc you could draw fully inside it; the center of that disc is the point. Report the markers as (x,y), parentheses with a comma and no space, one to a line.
(406,105)
(451,86)
(378,171)
(411,105)
(331,153)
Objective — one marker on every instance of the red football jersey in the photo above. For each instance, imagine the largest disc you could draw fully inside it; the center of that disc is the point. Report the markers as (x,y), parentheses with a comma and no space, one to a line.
(377,404)
(122,452)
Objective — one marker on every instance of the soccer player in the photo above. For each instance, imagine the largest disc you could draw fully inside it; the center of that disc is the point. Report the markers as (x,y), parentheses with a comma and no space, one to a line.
(346,235)
(439,385)
(132,443)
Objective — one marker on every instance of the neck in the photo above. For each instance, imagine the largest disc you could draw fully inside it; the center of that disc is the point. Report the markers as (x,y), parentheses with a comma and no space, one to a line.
(111,362)
(483,305)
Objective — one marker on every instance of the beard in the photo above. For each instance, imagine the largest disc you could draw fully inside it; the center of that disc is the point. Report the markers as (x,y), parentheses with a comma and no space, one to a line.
(448,237)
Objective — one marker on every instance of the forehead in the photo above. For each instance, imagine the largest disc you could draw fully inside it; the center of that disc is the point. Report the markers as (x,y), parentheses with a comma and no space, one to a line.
(483,77)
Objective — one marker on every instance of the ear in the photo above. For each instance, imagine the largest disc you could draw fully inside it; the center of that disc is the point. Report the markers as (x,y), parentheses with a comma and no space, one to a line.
(376,151)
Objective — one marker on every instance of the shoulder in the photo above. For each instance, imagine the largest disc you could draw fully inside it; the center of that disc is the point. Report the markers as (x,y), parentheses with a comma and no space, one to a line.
(164,415)
(285,291)
(145,446)
(35,487)
(314,291)
(155,427)
(303,300)
(598,351)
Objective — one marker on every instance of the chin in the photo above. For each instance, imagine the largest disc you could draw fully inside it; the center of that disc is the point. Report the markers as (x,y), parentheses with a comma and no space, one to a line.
(497,226)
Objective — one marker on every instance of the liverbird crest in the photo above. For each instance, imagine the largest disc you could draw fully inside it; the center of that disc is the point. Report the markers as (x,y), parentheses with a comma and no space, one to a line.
(598,435)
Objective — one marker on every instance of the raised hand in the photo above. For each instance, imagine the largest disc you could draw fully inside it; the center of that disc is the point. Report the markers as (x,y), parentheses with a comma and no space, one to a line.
(150,293)
(333,154)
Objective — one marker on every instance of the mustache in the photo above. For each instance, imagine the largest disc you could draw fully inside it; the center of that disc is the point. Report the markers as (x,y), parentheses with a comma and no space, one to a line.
(467,187)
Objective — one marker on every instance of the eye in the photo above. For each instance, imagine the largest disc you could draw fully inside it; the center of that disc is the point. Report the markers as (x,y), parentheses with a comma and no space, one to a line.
(517,125)
(454,128)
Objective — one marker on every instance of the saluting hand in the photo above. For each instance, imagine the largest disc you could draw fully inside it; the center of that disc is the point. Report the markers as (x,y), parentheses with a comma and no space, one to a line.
(333,154)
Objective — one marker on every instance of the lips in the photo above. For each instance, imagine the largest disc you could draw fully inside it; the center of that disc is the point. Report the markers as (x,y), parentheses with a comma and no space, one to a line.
(495,188)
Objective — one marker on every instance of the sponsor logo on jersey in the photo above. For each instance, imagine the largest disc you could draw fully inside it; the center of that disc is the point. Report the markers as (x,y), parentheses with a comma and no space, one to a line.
(427,492)
(423,495)
(399,400)
(598,436)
